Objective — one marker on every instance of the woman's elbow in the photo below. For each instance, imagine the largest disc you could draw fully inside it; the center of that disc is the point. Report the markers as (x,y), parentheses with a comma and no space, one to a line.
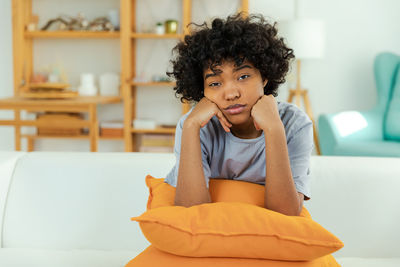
(191,202)
(289,211)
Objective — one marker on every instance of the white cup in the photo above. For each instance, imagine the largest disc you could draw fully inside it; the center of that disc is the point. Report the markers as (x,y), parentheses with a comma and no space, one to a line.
(87,86)
(53,78)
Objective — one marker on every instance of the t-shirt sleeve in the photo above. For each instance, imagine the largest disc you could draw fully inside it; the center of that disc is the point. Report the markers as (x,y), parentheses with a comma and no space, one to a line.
(300,146)
(172,176)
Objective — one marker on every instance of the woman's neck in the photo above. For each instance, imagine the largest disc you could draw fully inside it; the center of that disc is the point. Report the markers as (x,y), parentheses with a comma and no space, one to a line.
(245,130)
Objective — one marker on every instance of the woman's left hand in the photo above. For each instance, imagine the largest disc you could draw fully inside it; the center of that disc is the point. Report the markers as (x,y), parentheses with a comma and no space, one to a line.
(265,114)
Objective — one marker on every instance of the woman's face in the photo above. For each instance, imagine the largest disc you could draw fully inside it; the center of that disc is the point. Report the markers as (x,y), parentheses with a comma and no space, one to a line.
(234,89)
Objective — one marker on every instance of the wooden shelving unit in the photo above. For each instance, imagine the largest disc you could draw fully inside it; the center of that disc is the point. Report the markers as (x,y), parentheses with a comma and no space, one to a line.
(128,36)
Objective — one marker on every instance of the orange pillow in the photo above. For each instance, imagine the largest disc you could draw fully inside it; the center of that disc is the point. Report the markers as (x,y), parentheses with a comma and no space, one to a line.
(221,190)
(160,194)
(234,229)
(153,257)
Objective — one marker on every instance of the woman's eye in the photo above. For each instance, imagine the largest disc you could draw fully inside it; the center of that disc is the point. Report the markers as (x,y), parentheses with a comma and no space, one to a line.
(213,84)
(245,76)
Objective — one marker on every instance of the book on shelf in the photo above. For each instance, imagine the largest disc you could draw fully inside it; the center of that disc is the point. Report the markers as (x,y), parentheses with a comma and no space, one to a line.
(113,128)
(156,143)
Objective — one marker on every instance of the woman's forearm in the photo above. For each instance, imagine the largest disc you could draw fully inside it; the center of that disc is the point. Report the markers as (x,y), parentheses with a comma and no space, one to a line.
(280,191)
(191,188)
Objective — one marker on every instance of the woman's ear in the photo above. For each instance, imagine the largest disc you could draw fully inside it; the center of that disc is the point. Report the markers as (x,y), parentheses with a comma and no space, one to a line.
(265,82)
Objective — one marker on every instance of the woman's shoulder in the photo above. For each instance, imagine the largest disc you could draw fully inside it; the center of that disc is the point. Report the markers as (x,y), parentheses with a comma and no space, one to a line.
(292,117)
(183,118)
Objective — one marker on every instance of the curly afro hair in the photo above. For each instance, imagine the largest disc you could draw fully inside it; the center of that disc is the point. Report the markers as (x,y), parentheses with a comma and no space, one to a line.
(236,38)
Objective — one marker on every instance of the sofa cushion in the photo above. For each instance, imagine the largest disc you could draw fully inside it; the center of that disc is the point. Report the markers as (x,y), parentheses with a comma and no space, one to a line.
(155,257)
(90,207)
(392,121)
(368,262)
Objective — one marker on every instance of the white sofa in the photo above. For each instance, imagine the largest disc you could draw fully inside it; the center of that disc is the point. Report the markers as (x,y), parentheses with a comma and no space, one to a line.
(74,209)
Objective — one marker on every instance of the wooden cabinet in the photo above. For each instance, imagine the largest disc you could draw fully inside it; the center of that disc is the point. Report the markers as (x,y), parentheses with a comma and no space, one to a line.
(128,37)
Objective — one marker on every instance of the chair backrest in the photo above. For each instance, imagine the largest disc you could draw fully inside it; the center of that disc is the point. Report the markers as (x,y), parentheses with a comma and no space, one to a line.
(373,122)
(387,73)
(386,66)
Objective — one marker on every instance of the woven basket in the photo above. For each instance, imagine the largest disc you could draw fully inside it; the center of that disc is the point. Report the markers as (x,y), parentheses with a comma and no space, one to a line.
(49,118)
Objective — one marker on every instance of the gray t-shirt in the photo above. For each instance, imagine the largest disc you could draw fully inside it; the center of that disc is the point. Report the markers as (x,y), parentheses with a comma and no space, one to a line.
(229,157)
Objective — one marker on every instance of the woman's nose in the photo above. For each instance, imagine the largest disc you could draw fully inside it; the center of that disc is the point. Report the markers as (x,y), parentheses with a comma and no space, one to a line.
(232,92)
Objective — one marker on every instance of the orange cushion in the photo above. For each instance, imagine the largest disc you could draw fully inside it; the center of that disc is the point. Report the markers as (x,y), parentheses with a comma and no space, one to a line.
(153,257)
(234,229)
(221,190)
(160,194)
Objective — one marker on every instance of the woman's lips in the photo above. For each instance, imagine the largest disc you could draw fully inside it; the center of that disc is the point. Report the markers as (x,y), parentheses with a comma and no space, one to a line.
(235,109)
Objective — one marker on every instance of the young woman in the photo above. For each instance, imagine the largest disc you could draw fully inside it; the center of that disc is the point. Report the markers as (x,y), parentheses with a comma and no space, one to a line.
(237,130)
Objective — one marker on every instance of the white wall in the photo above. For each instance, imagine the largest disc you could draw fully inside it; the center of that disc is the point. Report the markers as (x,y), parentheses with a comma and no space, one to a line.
(355,32)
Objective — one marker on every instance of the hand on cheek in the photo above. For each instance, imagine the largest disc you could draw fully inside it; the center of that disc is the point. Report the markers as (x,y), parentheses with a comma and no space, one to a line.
(204,111)
(265,114)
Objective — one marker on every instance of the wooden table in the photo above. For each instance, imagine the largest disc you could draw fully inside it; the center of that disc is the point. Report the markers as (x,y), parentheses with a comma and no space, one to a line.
(79,104)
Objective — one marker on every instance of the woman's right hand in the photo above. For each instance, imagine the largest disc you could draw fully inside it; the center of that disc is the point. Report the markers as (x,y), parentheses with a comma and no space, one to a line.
(204,111)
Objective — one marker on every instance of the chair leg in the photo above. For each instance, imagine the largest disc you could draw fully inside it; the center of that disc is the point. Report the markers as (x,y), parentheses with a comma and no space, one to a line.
(17,130)
(290,98)
(307,106)
(310,114)
(316,142)
(31,145)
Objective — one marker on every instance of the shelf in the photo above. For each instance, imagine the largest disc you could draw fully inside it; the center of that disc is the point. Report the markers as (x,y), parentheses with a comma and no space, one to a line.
(88,34)
(70,101)
(48,85)
(111,138)
(50,95)
(153,83)
(35,136)
(71,34)
(137,35)
(81,136)
(154,131)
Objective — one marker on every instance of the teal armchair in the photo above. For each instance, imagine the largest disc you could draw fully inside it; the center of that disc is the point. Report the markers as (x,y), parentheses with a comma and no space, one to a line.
(374,132)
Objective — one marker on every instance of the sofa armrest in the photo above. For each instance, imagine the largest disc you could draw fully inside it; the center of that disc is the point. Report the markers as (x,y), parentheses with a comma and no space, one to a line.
(349,126)
(8,160)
